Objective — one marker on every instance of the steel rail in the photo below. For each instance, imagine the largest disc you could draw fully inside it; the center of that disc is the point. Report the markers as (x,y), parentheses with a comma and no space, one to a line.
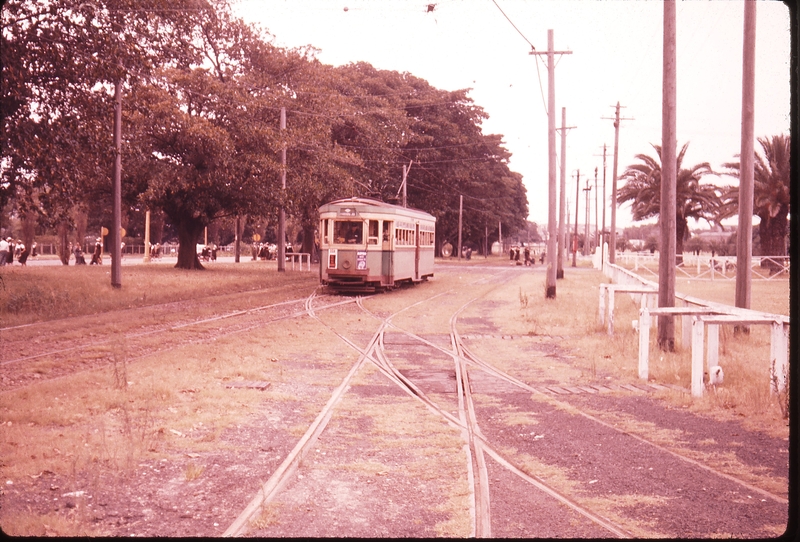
(217,336)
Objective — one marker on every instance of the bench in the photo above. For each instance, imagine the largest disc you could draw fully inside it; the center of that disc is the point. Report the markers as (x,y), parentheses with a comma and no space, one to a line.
(607,310)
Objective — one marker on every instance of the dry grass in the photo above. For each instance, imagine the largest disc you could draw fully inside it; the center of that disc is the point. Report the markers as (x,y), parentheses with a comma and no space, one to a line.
(589,355)
(29,294)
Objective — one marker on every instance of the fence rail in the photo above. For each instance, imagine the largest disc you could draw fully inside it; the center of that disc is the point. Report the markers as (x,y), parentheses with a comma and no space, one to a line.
(779,341)
(709,267)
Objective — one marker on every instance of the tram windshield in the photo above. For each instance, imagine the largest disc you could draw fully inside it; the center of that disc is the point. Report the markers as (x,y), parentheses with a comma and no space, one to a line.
(348,231)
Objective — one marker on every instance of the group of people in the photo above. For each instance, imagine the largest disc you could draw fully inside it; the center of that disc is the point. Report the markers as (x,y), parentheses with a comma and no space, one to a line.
(528,258)
(10,249)
(208,252)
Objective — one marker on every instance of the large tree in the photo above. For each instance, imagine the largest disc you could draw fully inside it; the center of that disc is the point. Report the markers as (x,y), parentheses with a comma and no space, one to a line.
(693,199)
(771,193)
(60,62)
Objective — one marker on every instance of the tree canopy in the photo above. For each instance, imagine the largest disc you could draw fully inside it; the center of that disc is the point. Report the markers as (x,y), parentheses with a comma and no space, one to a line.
(693,199)
(202,96)
(771,192)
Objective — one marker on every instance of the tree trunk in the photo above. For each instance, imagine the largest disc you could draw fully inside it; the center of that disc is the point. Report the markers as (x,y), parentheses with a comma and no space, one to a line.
(308,241)
(681,227)
(63,245)
(189,230)
(772,231)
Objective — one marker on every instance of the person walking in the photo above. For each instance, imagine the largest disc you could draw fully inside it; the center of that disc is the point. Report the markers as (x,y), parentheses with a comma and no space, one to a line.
(97,257)
(3,251)
(11,248)
(23,256)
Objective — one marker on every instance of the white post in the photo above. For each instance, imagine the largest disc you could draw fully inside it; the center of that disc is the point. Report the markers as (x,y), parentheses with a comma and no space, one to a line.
(712,352)
(602,305)
(610,315)
(777,355)
(697,357)
(686,331)
(644,342)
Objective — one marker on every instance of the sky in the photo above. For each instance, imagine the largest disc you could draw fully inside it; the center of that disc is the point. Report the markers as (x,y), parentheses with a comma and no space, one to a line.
(615,56)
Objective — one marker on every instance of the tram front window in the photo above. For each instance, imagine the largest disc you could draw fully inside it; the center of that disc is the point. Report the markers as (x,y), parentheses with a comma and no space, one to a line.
(348,232)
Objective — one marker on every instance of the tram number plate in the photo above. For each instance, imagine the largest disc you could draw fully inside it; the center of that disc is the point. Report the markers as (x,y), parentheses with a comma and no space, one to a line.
(361,260)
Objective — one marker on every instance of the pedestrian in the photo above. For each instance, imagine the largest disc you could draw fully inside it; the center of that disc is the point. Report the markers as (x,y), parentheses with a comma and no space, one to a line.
(11,247)
(527,254)
(516,255)
(23,256)
(97,255)
(79,259)
(3,251)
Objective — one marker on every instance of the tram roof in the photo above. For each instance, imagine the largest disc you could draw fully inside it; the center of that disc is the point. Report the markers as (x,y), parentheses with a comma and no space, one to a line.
(366,205)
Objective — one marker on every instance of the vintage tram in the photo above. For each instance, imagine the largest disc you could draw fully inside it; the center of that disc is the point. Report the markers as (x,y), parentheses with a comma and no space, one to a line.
(370,246)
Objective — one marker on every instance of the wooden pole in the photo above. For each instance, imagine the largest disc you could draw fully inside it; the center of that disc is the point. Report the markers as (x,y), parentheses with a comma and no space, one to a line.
(744,241)
(562,197)
(282,216)
(666,260)
(575,233)
(550,287)
(116,238)
(460,211)
(146,258)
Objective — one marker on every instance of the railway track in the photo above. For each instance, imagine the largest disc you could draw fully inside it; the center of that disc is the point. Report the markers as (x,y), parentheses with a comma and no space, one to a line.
(437,366)
(442,377)
(63,355)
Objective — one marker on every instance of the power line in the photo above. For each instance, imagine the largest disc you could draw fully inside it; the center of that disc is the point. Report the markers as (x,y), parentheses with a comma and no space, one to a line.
(512,24)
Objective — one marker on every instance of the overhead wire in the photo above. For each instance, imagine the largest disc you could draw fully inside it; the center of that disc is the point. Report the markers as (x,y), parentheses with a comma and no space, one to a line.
(533,48)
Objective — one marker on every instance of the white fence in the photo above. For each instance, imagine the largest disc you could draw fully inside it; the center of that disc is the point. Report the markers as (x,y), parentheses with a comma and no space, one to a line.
(709,267)
(697,314)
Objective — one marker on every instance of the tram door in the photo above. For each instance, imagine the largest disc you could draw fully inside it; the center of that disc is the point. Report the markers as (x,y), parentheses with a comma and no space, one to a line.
(416,252)
(386,253)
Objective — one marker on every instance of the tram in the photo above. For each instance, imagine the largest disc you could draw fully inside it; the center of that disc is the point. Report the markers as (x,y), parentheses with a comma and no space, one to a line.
(370,246)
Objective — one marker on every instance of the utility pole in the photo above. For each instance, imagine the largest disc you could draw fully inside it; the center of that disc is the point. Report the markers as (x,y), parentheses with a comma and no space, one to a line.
(282,216)
(744,241)
(460,211)
(612,242)
(406,170)
(605,204)
(552,235)
(116,237)
(146,258)
(586,223)
(575,233)
(666,218)
(596,233)
(562,218)
(500,236)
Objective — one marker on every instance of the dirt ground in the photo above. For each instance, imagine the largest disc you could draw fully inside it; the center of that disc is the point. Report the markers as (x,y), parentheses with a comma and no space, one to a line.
(387,466)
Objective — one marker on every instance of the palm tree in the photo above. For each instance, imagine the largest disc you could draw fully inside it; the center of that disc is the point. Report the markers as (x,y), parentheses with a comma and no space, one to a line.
(693,200)
(770,193)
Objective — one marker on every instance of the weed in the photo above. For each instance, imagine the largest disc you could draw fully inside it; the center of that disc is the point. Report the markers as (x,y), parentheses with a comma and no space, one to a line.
(523,299)
(193,471)
(120,366)
(268,516)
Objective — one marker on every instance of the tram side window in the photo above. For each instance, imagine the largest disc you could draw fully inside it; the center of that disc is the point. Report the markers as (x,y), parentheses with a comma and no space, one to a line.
(325,238)
(372,237)
(404,237)
(348,231)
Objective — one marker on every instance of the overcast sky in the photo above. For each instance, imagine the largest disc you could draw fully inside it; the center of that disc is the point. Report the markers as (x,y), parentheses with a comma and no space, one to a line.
(616,56)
